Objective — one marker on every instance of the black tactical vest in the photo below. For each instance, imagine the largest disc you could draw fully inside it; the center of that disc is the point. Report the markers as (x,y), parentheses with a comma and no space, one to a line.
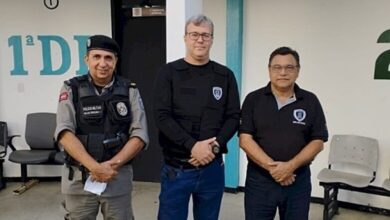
(211,116)
(102,121)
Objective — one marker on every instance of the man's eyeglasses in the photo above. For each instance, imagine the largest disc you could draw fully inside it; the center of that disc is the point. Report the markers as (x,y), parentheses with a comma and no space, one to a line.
(287,69)
(196,35)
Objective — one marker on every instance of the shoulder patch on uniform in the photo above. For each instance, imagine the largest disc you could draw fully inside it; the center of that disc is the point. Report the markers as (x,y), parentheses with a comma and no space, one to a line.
(63,96)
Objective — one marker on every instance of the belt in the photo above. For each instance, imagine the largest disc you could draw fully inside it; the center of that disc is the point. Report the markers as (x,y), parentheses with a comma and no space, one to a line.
(184,164)
(181,164)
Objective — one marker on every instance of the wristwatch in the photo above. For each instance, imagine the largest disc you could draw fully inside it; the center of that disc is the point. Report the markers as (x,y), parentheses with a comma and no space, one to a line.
(215,149)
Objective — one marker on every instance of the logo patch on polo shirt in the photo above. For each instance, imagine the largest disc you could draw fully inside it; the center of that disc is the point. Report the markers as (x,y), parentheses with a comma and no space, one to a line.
(217,92)
(299,115)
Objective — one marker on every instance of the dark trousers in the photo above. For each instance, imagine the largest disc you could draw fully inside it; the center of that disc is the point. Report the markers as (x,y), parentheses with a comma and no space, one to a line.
(205,185)
(263,196)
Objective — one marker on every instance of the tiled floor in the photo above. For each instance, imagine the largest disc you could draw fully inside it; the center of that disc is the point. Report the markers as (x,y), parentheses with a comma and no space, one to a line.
(43,202)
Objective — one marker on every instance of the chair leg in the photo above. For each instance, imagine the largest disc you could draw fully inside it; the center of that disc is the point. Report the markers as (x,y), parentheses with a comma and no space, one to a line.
(25,184)
(336,202)
(331,206)
(327,201)
(23,171)
(2,179)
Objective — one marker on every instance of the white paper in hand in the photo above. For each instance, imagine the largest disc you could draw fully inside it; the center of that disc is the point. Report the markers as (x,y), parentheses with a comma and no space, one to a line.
(94,186)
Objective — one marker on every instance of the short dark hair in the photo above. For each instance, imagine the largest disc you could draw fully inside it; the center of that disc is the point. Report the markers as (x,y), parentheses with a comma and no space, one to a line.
(198,20)
(284,51)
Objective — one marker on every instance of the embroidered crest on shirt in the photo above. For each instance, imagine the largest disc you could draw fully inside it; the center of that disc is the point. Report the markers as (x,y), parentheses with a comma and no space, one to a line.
(299,115)
(63,96)
(217,92)
(121,108)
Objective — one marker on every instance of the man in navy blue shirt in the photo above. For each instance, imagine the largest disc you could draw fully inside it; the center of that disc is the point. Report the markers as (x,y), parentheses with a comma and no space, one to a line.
(282,129)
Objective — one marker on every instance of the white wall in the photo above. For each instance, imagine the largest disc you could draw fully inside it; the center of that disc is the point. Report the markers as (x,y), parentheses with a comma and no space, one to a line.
(218,50)
(21,94)
(337,44)
(178,11)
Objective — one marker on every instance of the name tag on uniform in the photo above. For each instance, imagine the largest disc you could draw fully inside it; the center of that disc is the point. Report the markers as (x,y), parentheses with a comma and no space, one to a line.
(92,111)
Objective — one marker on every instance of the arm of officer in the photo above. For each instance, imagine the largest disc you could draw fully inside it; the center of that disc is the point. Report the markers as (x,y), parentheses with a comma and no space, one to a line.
(246,141)
(64,134)
(138,131)
(254,151)
(76,150)
(232,113)
(284,169)
(73,146)
(201,151)
(133,146)
(319,135)
(163,114)
(257,155)
(247,129)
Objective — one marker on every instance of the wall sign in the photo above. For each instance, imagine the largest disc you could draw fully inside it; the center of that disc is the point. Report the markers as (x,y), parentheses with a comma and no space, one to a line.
(382,64)
(18,44)
(51,4)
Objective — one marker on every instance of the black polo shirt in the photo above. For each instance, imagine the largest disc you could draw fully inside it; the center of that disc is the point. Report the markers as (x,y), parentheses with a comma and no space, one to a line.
(283,133)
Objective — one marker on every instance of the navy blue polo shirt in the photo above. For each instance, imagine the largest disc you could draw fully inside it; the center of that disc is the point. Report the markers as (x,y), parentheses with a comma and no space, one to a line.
(283,133)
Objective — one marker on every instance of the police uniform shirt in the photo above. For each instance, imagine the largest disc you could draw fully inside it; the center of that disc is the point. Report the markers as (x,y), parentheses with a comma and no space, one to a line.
(66,120)
(283,133)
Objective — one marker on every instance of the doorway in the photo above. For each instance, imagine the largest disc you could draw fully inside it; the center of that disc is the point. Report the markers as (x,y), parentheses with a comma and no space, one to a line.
(143,52)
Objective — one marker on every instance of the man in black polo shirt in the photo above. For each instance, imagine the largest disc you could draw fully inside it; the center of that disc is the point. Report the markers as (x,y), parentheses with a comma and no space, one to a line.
(282,129)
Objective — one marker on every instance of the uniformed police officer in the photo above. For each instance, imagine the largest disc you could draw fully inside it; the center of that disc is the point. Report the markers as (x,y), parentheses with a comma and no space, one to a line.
(196,111)
(101,125)
(282,129)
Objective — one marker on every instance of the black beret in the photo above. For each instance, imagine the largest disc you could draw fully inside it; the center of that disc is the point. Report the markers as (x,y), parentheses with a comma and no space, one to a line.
(102,42)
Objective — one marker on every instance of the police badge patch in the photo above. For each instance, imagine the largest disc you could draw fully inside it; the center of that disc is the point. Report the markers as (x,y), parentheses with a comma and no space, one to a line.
(121,109)
(217,92)
(299,115)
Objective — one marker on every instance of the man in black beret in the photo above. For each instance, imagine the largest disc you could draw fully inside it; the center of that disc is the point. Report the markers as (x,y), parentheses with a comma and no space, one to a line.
(102,42)
(101,125)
